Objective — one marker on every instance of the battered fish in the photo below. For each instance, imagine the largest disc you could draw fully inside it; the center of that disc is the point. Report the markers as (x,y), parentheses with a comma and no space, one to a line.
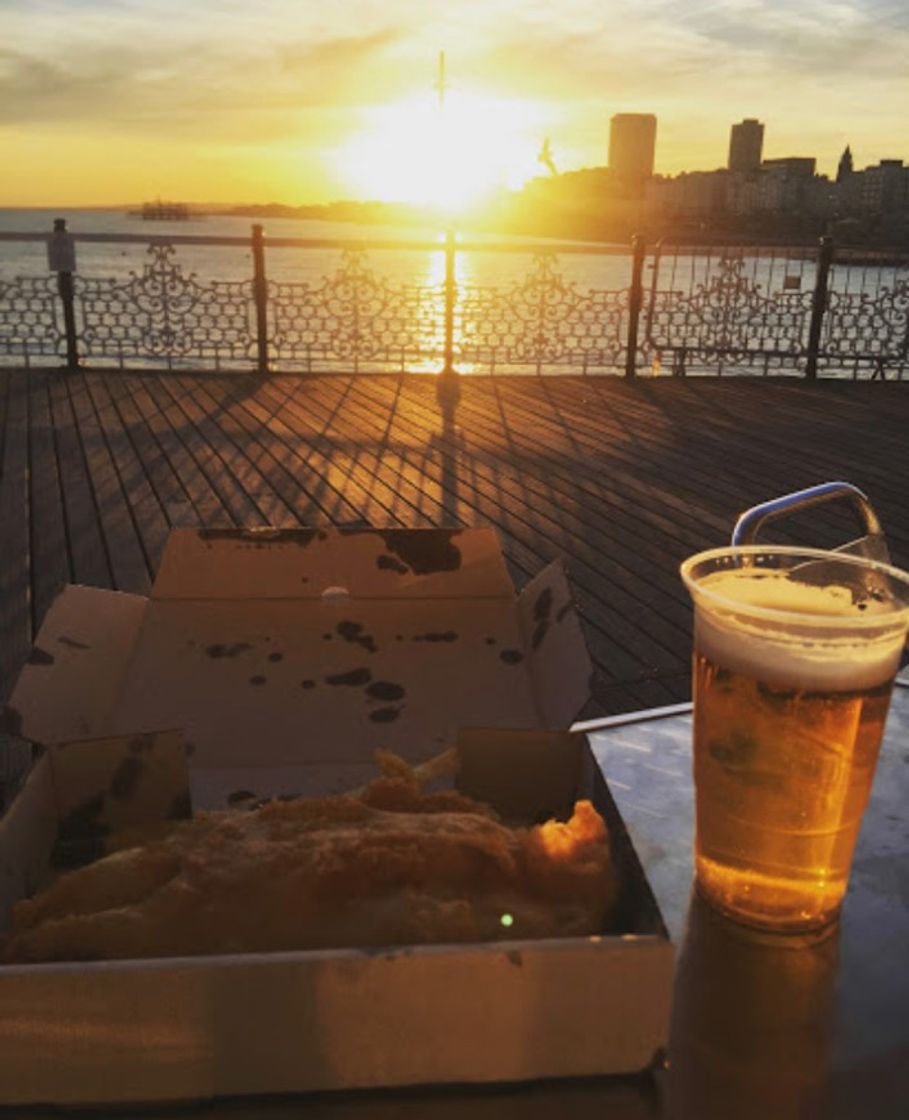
(389,866)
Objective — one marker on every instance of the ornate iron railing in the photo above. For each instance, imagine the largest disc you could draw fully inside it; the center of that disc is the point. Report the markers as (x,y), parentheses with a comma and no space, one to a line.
(31,320)
(730,315)
(164,314)
(543,321)
(867,317)
(664,309)
(355,317)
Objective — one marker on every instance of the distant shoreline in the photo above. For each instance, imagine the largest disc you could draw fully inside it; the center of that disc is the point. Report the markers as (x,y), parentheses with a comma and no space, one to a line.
(564,226)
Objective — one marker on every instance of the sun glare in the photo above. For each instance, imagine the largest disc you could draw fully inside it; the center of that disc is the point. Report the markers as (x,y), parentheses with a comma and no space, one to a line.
(448,157)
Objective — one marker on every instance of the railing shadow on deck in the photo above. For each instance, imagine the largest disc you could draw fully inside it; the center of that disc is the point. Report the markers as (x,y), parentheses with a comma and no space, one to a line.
(623,478)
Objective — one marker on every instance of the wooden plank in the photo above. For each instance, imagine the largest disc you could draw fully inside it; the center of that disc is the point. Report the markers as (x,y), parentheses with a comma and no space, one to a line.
(745,418)
(15,592)
(369,469)
(592,468)
(170,400)
(844,452)
(771,445)
(87,551)
(695,477)
(239,470)
(371,465)
(715,427)
(622,436)
(50,567)
(606,443)
(118,525)
(623,479)
(146,509)
(739,461)
(194,501)
(307,483)
(350,465)
(166,483)
(840,428)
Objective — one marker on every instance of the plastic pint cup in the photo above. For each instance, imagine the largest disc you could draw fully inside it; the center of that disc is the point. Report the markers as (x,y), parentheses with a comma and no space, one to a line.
(795,651)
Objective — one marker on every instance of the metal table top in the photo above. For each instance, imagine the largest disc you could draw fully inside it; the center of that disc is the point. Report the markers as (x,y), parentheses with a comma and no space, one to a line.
(769,1025)
(764,1026)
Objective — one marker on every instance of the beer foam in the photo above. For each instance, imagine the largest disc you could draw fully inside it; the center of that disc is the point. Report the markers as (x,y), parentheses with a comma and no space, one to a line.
(825,658)
(774,591)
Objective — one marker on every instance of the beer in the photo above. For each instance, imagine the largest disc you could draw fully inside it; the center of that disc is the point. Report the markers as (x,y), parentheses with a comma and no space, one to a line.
(792,684)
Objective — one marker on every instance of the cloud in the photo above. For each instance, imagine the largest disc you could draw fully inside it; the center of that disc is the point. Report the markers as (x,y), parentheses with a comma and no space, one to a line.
(807,36)
(640,47)
(239,90)
(337,53)
(219,56)
(233,73)
(34,88)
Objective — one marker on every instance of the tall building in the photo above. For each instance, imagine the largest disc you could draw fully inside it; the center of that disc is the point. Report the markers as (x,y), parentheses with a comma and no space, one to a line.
(884,188)
(746,142)
(844,168)
(632,143)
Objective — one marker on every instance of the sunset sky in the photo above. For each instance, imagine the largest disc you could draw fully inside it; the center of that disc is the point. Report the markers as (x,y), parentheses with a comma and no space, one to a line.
(112,101)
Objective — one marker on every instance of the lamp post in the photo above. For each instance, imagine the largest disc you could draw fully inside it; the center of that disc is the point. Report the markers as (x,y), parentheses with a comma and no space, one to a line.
(61,258)
(448,370)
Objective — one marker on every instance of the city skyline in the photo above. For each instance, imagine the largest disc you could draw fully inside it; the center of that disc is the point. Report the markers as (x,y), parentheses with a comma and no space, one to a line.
(114,100)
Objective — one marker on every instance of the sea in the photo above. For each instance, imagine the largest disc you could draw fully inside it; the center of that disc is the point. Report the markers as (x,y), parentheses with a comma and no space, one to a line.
(609,270)
(589,266)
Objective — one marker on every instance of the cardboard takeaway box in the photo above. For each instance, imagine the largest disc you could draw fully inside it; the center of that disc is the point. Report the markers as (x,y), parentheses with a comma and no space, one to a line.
(274,663)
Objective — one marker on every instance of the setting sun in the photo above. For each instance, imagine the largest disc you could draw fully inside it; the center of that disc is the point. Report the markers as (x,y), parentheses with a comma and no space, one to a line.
(447,156)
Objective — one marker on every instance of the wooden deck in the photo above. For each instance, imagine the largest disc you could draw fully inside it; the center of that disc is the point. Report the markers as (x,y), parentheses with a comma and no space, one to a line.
(623,480)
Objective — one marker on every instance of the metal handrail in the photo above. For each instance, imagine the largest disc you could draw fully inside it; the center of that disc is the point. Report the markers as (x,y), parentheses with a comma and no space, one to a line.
(872,544)
(533,247)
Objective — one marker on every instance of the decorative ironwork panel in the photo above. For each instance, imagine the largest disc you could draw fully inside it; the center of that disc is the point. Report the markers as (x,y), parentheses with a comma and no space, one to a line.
(705,309)
(357,318)
(868,328)
(164,315)
(31,317)
(542,321)
(727,319)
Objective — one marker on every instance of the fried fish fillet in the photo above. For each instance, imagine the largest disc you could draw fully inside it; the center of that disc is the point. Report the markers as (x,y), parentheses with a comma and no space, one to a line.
(391,866)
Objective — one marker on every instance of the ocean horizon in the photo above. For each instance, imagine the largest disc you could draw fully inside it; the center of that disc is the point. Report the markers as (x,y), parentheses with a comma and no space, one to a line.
(411,267)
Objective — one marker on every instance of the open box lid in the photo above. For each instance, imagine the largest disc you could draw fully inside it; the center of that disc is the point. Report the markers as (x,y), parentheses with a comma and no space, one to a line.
(310,647)
(305,563)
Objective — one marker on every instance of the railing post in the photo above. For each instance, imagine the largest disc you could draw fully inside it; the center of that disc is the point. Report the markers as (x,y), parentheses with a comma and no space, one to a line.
(818,305)
(62,259)
(260,297)
(450,294)
(635,300)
